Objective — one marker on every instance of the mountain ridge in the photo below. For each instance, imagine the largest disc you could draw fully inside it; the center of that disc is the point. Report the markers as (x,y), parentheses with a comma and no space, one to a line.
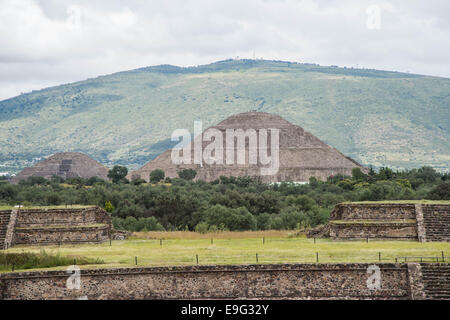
(377,117)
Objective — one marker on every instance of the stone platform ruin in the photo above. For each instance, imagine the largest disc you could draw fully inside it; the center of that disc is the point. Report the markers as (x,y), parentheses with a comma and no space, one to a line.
(49,226)
(390,221)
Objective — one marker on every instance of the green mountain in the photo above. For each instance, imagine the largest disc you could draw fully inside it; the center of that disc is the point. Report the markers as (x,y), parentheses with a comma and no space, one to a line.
(127,118)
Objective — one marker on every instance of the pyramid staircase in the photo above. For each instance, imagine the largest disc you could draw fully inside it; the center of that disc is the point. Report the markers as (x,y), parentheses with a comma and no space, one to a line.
(4,221)
(436,280)
(436,220)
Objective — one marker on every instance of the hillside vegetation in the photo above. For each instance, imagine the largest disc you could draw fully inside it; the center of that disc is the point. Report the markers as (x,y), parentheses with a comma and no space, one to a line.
(127,118)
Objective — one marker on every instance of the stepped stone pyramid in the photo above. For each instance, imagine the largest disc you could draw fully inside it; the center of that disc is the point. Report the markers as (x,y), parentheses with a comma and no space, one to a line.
(65,165)
(301,154)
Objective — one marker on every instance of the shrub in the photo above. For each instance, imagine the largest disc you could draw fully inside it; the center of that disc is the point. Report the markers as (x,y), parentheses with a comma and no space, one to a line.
(156,176)
(109,207)
(202,227)
(136,225)
(440,192)
(238,219)
(187,174)
(117,174)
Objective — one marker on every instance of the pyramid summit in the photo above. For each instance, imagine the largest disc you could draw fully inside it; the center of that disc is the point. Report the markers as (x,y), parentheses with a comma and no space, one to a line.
(301,154)
(65,165)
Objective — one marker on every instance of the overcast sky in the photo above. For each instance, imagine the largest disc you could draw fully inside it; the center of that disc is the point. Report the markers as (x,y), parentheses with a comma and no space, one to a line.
(49,42)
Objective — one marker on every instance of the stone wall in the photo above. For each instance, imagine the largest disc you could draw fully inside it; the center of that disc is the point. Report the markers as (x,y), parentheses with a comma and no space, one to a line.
(385,230)
(58,226)
(396,221)
(66,216)
(57,235)
(349,211)
(287,281)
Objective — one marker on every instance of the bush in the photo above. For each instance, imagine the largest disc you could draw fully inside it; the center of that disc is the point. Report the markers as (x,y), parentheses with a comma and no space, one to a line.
(187,174)
(156,176)
(202,227)
(440,192)
(136,225)
(238,219)
(109,207)
(263,221)
(358,175)
(117,174)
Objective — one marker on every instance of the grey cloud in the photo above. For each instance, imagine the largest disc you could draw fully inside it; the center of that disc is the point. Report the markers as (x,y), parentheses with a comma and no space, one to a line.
(46,42)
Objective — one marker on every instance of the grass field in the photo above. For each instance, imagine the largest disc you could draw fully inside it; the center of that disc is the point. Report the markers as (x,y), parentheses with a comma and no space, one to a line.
(238,248)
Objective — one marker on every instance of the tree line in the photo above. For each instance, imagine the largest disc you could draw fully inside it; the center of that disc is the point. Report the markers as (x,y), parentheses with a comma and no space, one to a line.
(229,203)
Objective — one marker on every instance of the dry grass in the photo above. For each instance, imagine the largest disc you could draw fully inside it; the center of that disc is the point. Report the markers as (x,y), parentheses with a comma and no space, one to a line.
(189,235)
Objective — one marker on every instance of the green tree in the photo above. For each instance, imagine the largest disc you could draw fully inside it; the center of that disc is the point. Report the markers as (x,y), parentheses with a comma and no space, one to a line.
(440,192)
(233,219)
(109,207)
(117,174)
(157,175)
(313,182)
(187,174)
(385,174)
(358,175)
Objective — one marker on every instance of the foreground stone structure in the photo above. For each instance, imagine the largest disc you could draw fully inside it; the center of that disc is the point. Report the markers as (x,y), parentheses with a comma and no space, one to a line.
(287,281)
(301,156)
(401,221)
(65,165)
(38,226)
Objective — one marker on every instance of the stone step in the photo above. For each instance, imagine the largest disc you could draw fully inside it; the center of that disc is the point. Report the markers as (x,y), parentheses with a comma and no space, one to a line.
(437,283)
(437,236)
(438,293)
(430,274)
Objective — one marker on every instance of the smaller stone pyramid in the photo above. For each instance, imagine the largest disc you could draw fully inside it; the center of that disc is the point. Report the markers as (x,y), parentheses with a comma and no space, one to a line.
(65,165)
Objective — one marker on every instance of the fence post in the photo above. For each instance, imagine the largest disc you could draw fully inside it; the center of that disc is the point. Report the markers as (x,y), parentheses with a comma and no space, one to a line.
(257,261)
(160,242)
(367,239)
(196,257)
(443,257)
(212,241)
(314,239)
(379,256)
(135,260)
(264,240)
(74,262)
(317,257)
(110,242)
